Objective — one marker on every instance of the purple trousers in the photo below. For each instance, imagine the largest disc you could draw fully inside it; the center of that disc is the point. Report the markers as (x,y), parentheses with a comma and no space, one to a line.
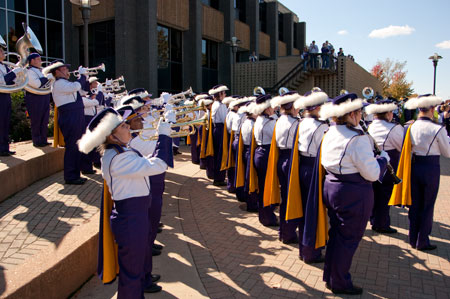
(195,149)
(231,174)
(425,176)
(157,189)
(5,117)
(86,161)
(219,176)
(266,215)
(71,122)
(380,218)
(251,198)
(129,223)
(38,107)
(240,193)
(306,166)
(349,200)
(287,230)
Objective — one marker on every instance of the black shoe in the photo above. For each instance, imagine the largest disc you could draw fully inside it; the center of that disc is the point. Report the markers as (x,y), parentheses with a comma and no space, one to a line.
(293,241)
(158,247)
(89,172)
(388,230)
(196,163)
(4,154)
(252,210)
(176,151)
(98,165)
(428,248)
(79,181)
(159,230)
(327,285)
(39,145)
(215,183)
(11,153)
(156,277)
(84,179)
(276,224)
(160,224)
(318,260)
(154,288)
(155,252)
(353,291)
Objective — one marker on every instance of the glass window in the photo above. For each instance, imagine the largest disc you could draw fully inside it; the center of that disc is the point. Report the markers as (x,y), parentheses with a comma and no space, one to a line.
(175,46)
(3,24)
(2,3)
(54,9)
(36,8)
(204,54)
(280,27)
(15,29)
(163,43)
(18,5)
(54,39)
(38,27)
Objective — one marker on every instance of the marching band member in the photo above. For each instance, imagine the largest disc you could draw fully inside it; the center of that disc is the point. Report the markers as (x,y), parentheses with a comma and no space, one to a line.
(246,136)
(91,103)
(7,77)
(278,169)
(348,158)
(236,125)
(70,115)
(207,147)
(263,131)
(232,113)
(38,106)
(196,136)
(389,137)
(426,141)
(126,173)
(310,132)
(218,115)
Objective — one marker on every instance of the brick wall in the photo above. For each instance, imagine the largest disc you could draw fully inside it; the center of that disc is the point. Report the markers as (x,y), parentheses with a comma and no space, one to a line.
(248,75)
(356,78)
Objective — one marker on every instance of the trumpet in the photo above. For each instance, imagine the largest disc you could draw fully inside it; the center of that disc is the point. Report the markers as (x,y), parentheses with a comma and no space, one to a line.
(180,96)
(91,71)
(182,133)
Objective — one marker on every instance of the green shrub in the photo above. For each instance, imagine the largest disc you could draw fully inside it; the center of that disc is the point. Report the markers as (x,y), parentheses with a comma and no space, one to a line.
(20,123)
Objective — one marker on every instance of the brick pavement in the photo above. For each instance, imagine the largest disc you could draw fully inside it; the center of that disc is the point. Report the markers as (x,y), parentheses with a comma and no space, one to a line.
(234,255)
(42,214)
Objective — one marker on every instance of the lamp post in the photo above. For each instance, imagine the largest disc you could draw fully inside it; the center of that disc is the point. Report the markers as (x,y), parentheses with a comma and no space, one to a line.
(85,8)
(435,58)
(234,43)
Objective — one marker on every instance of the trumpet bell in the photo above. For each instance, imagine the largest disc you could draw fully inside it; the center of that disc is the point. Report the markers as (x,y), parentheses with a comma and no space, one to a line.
(283,90)
(258,90)
(367,92)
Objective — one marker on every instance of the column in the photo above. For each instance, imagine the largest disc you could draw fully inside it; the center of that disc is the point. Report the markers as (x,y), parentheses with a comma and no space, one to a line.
(192,49)
(272,28)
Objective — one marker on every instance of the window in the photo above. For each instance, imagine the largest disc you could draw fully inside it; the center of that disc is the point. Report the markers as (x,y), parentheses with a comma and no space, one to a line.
(239,10)
(280,27)
(101,47)
(212,3)
(45,19)
(209,63)
(170,58)
(262,16)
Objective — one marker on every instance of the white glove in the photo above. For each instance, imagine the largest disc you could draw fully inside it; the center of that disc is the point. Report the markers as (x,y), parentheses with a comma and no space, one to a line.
(164,128)
(99,88)
(82,70)
(170,116)
(108,82)
(385,155)
(168,107)
(50,77)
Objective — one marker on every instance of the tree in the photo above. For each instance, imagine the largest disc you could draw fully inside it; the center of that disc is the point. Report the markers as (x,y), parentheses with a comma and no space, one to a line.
(393,78)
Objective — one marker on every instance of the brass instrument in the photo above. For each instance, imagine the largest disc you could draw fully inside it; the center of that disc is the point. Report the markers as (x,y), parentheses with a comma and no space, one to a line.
(182,133)
(2,42)
(367,92)
(343,91)
(180,96)
(91,71)
(283,90)
(114,86)
(27,41)
(258,90)
(316,89)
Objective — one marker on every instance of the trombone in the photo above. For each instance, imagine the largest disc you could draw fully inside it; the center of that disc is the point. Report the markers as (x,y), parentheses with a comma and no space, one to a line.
(91,71)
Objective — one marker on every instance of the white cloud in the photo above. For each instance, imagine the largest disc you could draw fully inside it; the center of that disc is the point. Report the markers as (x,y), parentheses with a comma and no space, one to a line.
(391,31)
(444,45)
(342,32)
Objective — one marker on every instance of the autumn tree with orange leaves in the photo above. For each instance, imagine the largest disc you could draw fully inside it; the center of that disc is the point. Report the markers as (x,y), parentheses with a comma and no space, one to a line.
(393,78)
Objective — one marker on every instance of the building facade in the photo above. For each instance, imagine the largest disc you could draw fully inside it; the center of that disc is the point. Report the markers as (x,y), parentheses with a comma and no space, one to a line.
(170,45)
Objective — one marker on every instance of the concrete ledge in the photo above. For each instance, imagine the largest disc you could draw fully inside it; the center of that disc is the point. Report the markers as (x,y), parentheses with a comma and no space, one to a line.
(29,165)
(58,271)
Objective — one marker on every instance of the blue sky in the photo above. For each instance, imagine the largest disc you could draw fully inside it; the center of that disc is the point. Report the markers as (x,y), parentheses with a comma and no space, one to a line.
(421,26)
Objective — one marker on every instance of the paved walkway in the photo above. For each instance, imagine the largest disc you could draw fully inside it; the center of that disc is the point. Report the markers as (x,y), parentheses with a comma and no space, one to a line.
(214,248)
(236,257)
